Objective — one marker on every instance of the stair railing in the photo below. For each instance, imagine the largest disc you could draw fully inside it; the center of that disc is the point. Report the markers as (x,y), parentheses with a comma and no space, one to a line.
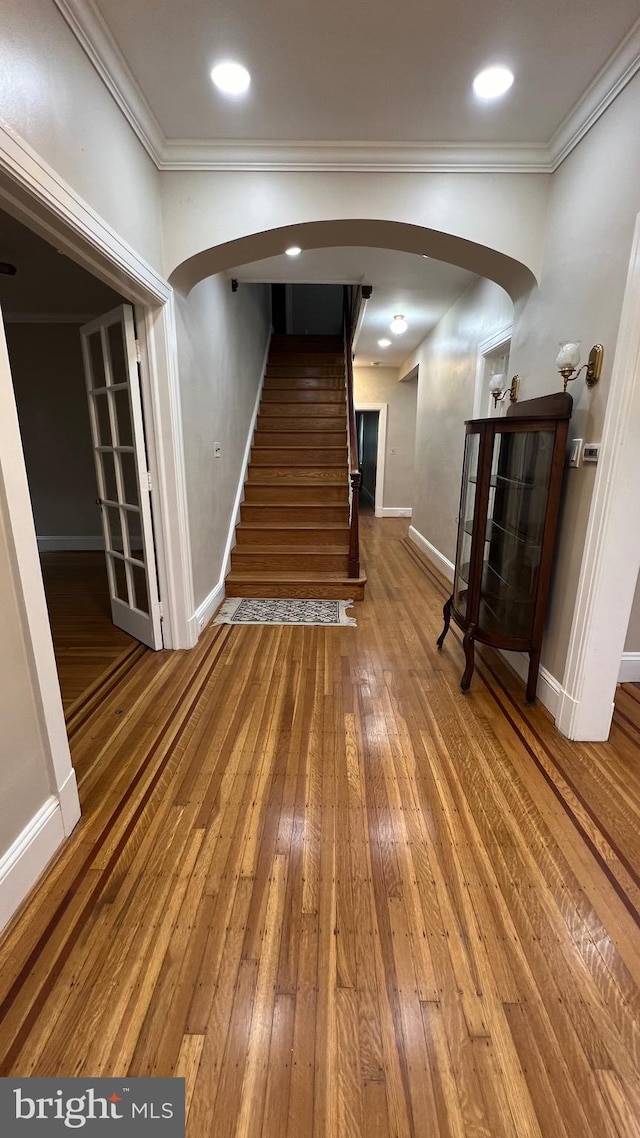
(351,306)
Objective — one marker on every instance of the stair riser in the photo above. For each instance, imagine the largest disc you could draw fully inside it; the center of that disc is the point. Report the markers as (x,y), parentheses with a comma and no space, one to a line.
(311,438)
(269,410)
(303,383)
(284,371)
(298,456)
(306,359)
(293,537)
(246,560)
(256,512)
(326,494)
(324,475)
(303,424)
(289,343)
(320,590)
(297,396)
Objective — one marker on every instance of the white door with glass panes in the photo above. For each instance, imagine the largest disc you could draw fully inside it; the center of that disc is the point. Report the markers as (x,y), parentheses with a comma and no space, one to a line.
(110,355)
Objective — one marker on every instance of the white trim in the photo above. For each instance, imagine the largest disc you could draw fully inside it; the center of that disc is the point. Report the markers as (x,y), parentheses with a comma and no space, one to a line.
(611,559)
(28,857)
(549,690)
(487,347)
(381,457)
(50,544)
(96,39)
(629,668)
(438,559)
(397,512)
(207,608)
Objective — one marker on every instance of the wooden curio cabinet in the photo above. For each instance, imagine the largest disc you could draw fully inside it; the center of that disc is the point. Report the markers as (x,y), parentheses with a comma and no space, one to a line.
(509,505)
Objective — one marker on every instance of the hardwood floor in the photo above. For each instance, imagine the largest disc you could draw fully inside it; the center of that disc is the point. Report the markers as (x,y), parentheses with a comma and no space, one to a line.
(87,644)
(339,897)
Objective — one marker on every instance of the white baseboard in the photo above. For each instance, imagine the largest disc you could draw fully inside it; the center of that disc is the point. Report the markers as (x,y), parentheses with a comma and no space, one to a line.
(208,606)
(397,512)
(60,543)
(550,691)
(629,668)
(28,857)
(438,559)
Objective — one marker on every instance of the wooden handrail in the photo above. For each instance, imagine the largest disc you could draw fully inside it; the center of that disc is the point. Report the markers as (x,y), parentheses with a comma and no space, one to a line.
(351,306)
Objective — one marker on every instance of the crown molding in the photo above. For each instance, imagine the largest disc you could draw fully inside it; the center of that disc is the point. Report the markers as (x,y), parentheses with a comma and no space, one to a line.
(95,37)
(612,78)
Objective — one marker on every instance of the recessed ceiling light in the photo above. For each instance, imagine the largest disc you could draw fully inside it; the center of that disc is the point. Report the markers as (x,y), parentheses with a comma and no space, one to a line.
(293,251)
(492,82)
(384,343)
(231,78)
(398,325)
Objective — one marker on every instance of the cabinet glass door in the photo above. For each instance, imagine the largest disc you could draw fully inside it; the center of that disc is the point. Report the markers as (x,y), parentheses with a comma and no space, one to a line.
(465,523)
(519,488)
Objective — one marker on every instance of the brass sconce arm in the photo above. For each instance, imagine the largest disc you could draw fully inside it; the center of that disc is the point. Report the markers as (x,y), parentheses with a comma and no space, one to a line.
(512,391)
(592,368)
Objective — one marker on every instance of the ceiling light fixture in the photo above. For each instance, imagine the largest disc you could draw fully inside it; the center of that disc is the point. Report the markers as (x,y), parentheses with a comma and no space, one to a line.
(398,325)
(492,82)
(231,78)
(384,343)
(293,251)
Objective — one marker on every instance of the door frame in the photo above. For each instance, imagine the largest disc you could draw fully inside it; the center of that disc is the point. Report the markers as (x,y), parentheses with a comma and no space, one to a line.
(487,348)
(32,192)
(382,450)
(611,560)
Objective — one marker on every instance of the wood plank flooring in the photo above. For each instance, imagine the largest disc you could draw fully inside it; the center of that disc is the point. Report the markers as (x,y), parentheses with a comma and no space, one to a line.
(88,646)
(339,897)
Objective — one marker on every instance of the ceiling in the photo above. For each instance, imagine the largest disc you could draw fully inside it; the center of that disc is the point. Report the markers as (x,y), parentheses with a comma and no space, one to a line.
(367,75)
(418,287)
(47,282)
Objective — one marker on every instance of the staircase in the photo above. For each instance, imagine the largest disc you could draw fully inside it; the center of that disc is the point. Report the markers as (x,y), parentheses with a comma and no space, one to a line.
(293,536)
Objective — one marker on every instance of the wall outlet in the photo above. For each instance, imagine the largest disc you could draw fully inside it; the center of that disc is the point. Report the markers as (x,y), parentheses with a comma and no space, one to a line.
(591,452)
(217,450)
(201,623)
(575,452)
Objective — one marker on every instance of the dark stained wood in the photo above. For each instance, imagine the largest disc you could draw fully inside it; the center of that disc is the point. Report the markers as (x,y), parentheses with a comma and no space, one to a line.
(352,303)
(339,897)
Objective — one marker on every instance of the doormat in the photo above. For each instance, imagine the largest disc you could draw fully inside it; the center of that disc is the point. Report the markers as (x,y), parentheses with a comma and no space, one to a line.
(279,610)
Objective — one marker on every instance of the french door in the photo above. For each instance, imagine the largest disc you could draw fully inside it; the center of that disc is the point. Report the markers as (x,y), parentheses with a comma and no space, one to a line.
(110,357)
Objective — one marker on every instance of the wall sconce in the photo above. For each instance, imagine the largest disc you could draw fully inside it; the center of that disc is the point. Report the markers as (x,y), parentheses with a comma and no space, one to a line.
(499,390)
(568,361)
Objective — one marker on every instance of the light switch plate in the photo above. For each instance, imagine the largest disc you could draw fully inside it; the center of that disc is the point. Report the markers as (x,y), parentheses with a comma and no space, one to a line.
(575,452)
(217,450)
(591,452)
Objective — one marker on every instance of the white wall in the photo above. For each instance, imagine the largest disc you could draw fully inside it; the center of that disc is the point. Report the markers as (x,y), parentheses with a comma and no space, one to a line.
(447,361)
(222,341)
(380,385)
(50,391)
(53,98)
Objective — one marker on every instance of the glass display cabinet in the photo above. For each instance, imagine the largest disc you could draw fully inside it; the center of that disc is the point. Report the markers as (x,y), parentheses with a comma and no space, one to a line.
(509,504)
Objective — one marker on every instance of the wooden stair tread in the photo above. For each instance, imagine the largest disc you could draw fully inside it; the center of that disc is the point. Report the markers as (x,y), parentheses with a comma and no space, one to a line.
(244,576)
(293,550)
(294,525)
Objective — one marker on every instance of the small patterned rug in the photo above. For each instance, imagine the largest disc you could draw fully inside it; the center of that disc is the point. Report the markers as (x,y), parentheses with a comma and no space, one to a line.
(245,610)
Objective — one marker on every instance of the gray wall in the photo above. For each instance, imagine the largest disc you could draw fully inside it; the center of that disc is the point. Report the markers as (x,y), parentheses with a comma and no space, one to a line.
(49,386)
(222,340)
(380,385)
(632,643)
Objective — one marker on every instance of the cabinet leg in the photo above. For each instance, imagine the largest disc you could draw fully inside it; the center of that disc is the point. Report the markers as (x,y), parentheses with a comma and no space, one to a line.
(446,613)
(532,678)
(468,646)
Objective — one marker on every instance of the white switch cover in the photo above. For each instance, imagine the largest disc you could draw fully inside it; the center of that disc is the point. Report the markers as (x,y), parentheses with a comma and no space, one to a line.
(575,452)
(217,450)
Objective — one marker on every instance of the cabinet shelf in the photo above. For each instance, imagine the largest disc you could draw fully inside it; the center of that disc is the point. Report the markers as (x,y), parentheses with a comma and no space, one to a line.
(511,488)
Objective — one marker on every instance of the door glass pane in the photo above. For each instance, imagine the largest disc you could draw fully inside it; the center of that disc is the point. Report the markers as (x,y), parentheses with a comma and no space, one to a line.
(120,579)
(115,528)
(97,377)
(134,527)
(129,478)
(123,417)
(521,471)
(107,458)
(115,338)
(465,524)
(101,404)
(140,587)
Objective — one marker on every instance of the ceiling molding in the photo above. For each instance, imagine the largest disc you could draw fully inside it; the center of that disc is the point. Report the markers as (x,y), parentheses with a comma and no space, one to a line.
(612,78)
(96,39)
